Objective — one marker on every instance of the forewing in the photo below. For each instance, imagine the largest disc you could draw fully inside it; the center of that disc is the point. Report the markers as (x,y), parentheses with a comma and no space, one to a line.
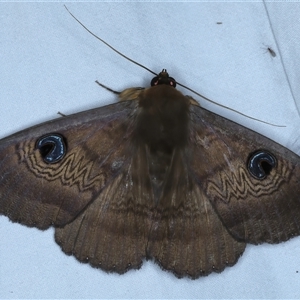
(36,193)
(253,210)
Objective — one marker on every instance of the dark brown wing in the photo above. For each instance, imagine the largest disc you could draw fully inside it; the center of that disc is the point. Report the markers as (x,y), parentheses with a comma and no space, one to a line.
(112,233)
(253,210)
(40,194)
(187,237)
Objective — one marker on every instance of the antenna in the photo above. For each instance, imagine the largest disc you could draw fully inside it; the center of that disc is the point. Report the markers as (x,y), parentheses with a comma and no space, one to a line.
(140,65)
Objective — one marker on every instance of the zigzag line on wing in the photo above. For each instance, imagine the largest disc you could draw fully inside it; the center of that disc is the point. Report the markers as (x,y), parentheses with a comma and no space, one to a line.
(74,170)
(239,185)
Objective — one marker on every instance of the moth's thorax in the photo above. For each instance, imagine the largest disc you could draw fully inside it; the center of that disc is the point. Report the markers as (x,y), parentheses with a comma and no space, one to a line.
(163,118)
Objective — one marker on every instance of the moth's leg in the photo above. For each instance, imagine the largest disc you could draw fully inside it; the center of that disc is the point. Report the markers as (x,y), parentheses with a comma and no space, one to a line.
(128,94)
(61,114)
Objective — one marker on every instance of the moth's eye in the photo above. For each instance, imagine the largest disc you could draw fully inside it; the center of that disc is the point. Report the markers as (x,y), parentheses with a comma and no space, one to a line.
(154,81)
(52,147)
(261,163)
(172,82)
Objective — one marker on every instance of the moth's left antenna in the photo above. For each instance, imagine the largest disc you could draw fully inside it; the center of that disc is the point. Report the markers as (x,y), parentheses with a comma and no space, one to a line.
(108,45)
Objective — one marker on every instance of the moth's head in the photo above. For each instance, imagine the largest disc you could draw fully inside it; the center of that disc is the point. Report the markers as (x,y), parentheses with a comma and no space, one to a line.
(163,78)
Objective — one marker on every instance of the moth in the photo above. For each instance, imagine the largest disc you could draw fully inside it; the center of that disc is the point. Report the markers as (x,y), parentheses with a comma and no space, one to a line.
(154,176)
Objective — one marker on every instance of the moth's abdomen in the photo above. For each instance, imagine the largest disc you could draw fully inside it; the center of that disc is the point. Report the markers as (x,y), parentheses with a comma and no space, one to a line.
(163,118)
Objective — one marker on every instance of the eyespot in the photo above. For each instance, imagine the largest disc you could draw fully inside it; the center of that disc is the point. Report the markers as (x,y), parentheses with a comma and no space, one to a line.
(52,147)
(261,163)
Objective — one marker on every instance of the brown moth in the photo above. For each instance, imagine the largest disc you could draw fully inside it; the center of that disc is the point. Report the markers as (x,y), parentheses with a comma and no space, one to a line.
(154,176)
